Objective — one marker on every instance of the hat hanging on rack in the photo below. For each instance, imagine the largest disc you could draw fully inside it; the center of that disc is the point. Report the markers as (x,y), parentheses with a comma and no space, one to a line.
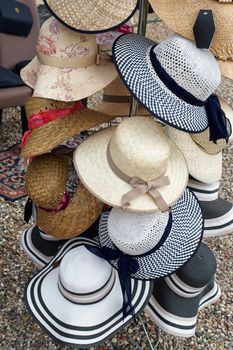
(92,16)
(73,62)
(77,297)
(64,207)
(52,122)
(174,80)
(152,245)
(177,299)
(217,212)
(133,165)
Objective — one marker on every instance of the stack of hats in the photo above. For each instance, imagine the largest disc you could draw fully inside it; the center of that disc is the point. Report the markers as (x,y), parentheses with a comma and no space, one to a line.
(119,222)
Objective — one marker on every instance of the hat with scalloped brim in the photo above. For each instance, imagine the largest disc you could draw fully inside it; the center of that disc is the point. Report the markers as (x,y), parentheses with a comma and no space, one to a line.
(88,16)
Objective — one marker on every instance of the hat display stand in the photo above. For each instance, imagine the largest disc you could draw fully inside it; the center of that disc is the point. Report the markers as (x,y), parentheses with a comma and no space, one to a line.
(118,223)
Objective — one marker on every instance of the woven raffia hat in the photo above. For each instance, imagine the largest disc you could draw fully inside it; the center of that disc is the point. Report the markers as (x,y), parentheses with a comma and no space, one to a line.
(52,122)
(77,297)
(92,16)
(202,166)
(174,80)
(187,12)
(116,100)
(177,299)
(155,244)
(72,61)
(64,206)
(133,165)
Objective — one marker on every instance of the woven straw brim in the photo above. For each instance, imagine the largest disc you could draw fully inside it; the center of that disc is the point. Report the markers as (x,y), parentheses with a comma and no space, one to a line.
(91,164)
(45,180)
(76,218)
(201,165)
(47,137)
(93,16)
(187,11)
(67,84)
(226,68)
(202,140)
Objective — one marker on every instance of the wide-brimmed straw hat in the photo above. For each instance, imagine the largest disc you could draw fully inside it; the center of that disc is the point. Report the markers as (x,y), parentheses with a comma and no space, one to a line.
(133,165)
(217,212)
(72,61)
(177,299)
(187,12)
(202,165)
(88,16)
(117,100)
(64,207)
(155,244)
(77,297)
(226,68)
(52,122)
(173,80)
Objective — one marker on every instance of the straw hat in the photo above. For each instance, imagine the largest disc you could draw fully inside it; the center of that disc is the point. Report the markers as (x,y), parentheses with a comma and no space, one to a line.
(158,243)
(173,80)
(77,297)
(187,11)
(177,299)
(65,120)
(217,212)
(92,16)
(226,68)
(64,206)
(117,100)
(135,155)
(72,62)
(202,166)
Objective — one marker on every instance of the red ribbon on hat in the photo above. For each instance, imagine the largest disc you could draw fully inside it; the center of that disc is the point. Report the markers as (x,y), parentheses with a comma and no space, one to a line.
(125,28)
(41,118)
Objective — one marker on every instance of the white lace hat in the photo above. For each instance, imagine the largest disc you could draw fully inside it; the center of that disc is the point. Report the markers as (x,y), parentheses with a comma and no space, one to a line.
(173,80)
(133,165)
(156,243)
(77,297)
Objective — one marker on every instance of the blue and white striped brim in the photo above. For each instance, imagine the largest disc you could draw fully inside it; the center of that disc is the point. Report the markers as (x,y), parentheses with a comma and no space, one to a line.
(178,247)
(131,55)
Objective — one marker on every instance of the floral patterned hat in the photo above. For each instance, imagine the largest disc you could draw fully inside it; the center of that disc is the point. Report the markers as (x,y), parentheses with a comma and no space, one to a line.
(72,61)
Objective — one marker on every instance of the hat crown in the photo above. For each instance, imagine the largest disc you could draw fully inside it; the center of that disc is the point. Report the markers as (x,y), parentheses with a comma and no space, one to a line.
(83,272)
(56,40)
(193,69)
(139,148)
(136,233)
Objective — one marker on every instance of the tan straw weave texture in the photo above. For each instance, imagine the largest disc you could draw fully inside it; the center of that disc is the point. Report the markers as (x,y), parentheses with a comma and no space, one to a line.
(92,15)
(45,180)
(180,16)
(52,134)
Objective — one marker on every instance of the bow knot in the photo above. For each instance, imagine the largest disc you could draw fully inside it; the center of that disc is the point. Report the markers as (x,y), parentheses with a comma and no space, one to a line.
(141,187)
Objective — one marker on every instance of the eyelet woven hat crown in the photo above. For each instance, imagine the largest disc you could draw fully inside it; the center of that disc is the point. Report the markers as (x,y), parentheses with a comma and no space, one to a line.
(92,16)
(52,122)
(77,297)
(202,166)
(173,80)
(73,62)
(176,299)
(64,207)
(116,101)
(152,245)
(133,165)
(187,12)
(217,212)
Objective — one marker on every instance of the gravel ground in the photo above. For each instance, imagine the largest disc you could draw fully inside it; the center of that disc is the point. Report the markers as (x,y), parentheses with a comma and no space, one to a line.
(19,332)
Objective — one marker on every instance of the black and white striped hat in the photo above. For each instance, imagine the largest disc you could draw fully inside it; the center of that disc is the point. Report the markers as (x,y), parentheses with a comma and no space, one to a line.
(77,297)
(176,299)
(217,212)
(147,71)
(159,243)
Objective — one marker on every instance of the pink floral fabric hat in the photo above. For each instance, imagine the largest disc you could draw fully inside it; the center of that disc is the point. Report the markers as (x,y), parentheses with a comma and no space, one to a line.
(72,61)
